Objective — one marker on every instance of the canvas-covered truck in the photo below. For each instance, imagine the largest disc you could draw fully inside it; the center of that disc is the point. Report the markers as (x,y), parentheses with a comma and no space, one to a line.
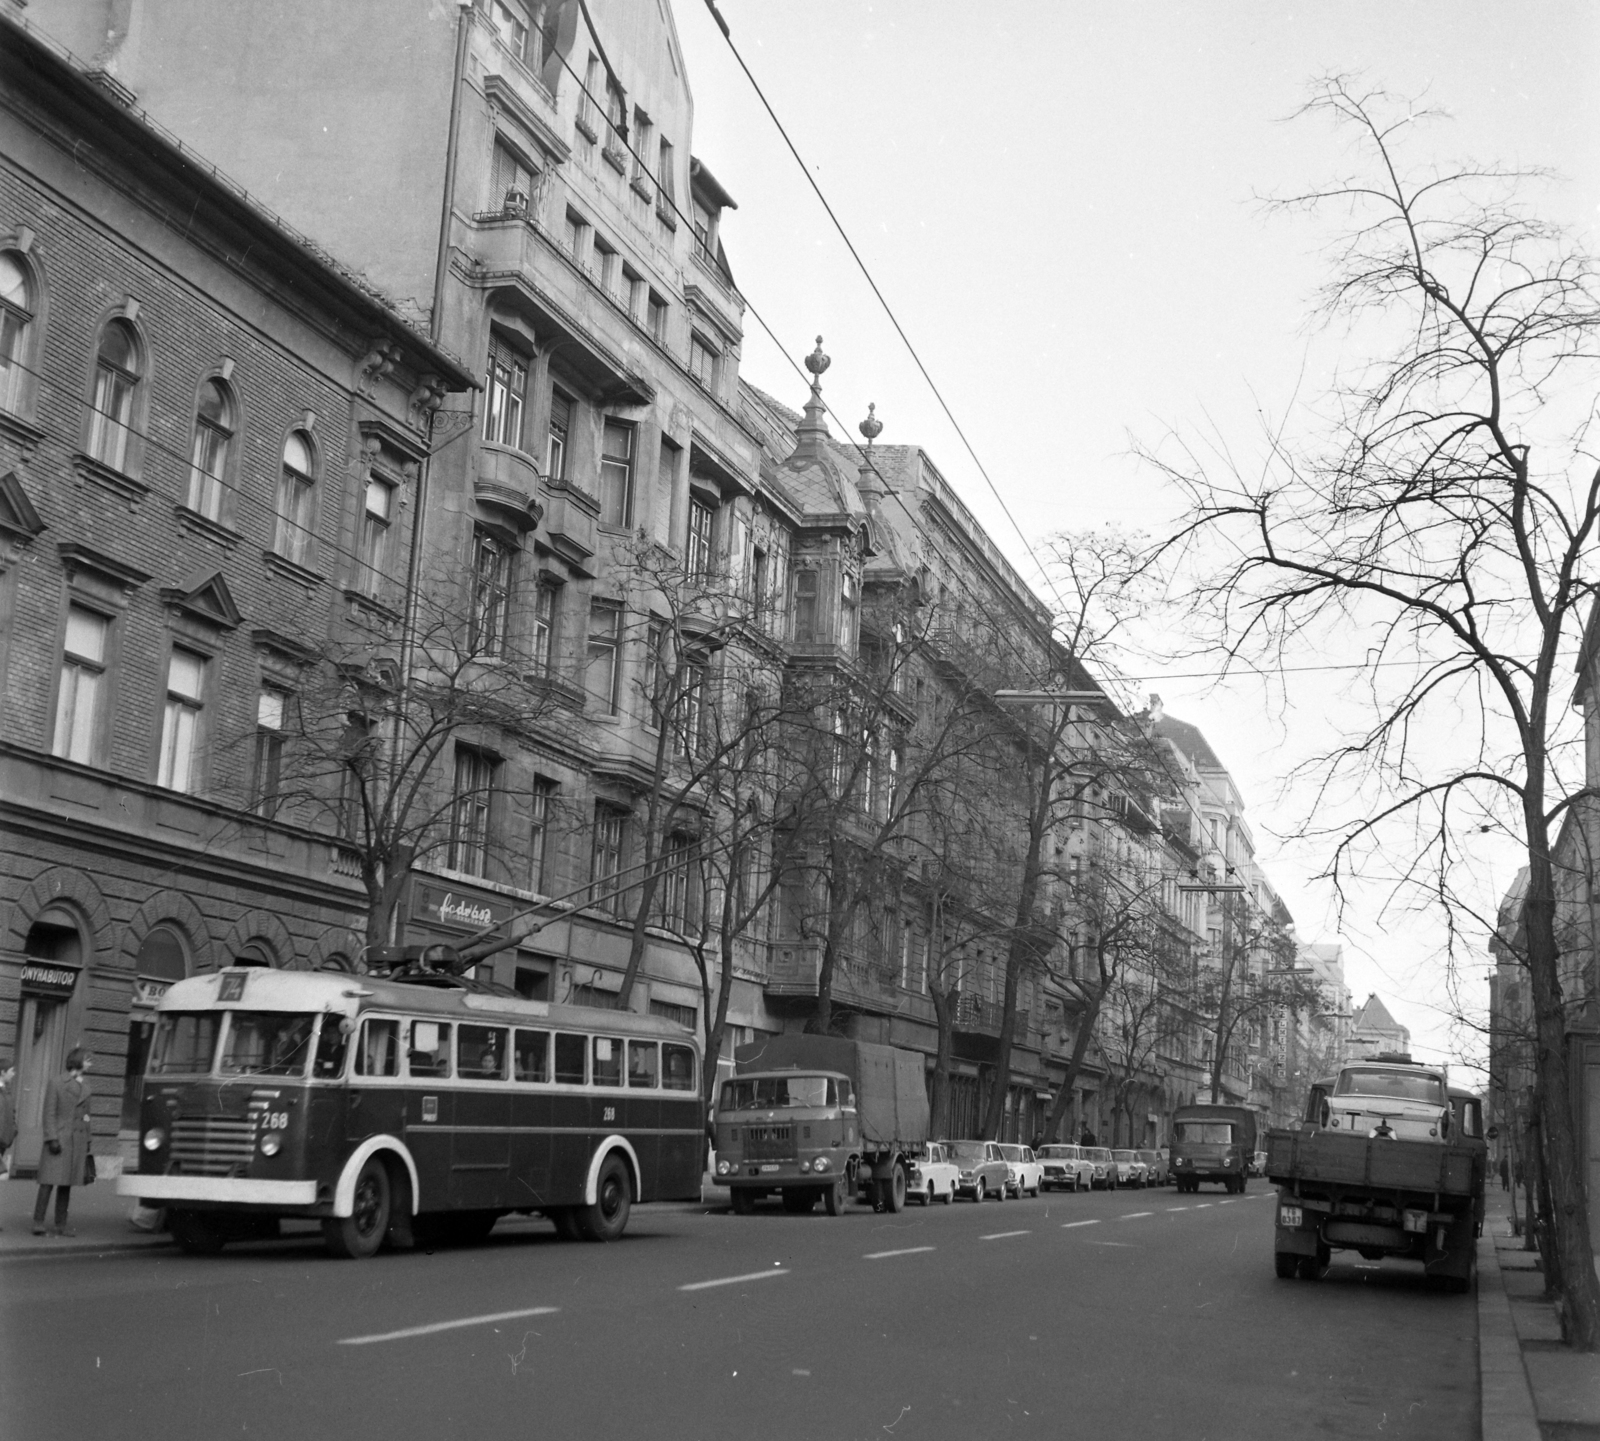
(817,1117)
(1212,1143)
(1377,1193)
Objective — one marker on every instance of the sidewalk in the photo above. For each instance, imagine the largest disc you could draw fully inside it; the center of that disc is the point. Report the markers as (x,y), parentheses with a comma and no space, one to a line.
(98,1214)
(1531,1387)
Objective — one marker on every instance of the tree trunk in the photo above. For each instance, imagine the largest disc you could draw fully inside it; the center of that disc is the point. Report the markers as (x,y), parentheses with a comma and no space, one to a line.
(944,1019)
(1080,1048)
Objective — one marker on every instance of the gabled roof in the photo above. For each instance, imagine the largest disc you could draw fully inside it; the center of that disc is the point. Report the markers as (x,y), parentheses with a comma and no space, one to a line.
(204,594)
(1374,1016)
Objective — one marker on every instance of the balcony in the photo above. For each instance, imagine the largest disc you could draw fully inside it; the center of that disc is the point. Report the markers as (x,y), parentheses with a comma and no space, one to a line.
(506,485)
(570,523)
(792,970)
(978,1017)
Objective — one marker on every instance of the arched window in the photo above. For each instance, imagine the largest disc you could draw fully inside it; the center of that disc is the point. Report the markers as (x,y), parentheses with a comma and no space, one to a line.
(296,490)
(16,325)
(162,956)
(213,439)
(118,373)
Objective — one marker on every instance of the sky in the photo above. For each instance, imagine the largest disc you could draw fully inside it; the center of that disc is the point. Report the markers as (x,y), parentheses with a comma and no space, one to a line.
(1061,203)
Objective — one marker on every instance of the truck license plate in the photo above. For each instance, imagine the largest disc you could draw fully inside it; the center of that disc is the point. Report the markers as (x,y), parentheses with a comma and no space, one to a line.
(770,1168)
(1288,1215)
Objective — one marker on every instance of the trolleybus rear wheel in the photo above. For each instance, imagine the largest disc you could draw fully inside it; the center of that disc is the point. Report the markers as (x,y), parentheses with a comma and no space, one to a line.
(608,1217)
(359,1234)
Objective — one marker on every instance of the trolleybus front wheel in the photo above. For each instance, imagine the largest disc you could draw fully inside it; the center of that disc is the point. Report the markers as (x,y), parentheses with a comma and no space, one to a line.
(608,1217)
(359,1234)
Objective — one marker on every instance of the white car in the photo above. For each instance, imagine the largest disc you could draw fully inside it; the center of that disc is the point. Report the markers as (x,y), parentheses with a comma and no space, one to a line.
(934,1177)
(1131,1171)
(1066,1168)
(1024,1174)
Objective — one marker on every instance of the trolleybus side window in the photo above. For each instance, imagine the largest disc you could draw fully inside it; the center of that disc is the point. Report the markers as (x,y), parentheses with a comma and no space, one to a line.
(428,1049)
(185,1043)
(481,1053)
(677,1072)
(332,1044)
(532,1056)
(570,1051)
(607,1061)
(380,1049)
(643,1064)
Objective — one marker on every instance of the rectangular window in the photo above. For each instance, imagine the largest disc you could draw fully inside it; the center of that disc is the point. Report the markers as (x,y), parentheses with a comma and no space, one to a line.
(642,130)
(266,777)
(644,1065)
(481,1053)
(805,605)
(577,237)
(428,1048)
(571,1053)
(614,120)
(180,722)
(295,492)
(544,629)
(607,1061)
(206,461)
(491,595)
(83,668)
(111,421)
(379,1051)
(377,514)
(702,363)
(511,180)
(616,474)
(588,109)
(555,456)
(760,580)
(665,161)
(686,1016)
(688,714)
(658,319)
(510,23)
(698,557)
(630,291)
(539,834)
(703,223)
(675,899)
(652,675)
(849,606)
(530,1056)
(604,264)
(469,811)
(506,391)
(677,1068)
(606,863)
(605,639)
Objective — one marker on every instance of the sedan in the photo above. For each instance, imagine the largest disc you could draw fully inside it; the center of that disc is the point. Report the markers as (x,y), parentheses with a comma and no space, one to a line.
(1024,1174)
(934,1177)
(1066,1168)
(982,1169)
(1105,1169)
(1130,1169)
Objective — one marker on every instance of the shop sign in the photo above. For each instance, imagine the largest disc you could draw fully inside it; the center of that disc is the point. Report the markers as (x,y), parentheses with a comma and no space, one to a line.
(147,993)
(48,980)
(460,909)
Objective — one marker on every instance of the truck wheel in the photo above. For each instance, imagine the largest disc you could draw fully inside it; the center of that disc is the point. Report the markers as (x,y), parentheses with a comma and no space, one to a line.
(359,1234)
(740,1199)
(835,1198)
(1286,1264)
(1462,1285)
(1314,1268)
(798,1200)
(613,1201)
(893,1191)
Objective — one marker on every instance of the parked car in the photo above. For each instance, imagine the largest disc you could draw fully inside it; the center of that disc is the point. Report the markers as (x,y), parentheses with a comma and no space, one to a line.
(981,1170)
(1105,1169)
(1130,1169)
(1065,1168)
(1155,1166)
(1024,1174)
(934,1177)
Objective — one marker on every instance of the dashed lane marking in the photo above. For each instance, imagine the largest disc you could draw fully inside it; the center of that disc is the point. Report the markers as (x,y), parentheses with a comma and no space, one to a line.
(1204,1205)
(1070,1224)
(438,1326)
(1177,1208)
(904,1251)
(1134,1215)
(1003,1235)
(735,1280)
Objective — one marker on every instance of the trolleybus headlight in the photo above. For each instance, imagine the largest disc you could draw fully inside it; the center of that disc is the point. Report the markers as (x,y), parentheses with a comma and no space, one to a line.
(269,1145)
(154,1139)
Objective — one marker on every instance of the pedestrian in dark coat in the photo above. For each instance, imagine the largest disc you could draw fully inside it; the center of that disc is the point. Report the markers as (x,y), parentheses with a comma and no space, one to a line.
(8,1112)
(66,1141)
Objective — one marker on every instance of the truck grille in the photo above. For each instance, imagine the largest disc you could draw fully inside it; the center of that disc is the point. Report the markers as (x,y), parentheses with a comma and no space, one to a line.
(769,1143)
(212,1146)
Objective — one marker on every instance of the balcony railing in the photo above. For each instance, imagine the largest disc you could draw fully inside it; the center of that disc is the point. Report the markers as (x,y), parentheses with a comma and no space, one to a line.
(794,967)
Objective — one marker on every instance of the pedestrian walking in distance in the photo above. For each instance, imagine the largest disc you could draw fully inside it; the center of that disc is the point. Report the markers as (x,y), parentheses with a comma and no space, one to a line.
(66,1142)
(8,1114)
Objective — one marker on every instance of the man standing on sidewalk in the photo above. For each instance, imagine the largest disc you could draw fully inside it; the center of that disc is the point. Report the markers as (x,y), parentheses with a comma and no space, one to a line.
(66,1141)
(8,1115)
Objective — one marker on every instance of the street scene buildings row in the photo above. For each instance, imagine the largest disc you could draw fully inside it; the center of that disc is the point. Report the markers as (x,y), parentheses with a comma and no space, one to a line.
(456,602)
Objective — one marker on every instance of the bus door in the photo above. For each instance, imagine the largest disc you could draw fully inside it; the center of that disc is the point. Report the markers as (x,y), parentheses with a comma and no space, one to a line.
(642,1113)
(480,1152)
(378,1096)
(531,1122)
(574,1116)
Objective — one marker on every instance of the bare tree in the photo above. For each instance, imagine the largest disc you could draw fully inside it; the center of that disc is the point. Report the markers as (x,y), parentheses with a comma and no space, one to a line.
(1443,520)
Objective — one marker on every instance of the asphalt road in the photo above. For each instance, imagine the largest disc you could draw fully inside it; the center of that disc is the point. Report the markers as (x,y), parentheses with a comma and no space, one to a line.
(1138,1313)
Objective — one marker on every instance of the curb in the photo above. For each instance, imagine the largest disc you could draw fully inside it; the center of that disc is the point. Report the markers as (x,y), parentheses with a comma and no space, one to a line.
(1506,1410)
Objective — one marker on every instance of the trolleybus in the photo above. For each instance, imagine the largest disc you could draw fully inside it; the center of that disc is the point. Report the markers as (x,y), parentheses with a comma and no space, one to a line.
(410,1110)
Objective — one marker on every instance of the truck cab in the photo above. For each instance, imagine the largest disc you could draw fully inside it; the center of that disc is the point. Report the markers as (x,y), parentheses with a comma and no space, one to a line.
(794,1132)
(1391,1099)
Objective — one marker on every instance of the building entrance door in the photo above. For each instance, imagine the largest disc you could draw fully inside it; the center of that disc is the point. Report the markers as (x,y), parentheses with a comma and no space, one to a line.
(41,1043)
